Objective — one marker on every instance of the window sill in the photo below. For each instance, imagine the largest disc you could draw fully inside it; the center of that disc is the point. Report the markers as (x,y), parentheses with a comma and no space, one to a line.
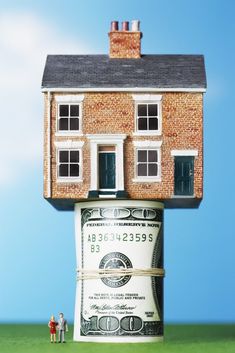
(139,180)
(68,133)
(147,133)
(69,180)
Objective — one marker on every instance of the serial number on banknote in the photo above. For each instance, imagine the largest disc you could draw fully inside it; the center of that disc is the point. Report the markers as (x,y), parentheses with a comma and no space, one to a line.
(136,237)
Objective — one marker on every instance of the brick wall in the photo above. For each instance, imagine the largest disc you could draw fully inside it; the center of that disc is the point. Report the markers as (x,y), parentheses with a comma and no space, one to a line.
(113,113)
(125,44)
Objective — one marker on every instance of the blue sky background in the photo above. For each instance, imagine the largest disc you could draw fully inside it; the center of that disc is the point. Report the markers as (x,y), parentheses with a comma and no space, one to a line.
(199,244)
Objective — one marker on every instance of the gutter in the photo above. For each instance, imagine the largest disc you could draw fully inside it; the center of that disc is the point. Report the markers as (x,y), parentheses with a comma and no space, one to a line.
(49,144)
(123,89)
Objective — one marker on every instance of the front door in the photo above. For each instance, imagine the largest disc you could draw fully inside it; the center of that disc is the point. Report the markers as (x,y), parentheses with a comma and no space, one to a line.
(184,175)
(107,168)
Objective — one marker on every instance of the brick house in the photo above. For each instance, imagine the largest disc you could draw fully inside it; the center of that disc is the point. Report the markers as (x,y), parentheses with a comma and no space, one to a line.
(123,125)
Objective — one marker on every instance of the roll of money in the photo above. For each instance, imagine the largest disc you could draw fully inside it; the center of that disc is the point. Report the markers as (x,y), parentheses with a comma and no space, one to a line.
(119,249)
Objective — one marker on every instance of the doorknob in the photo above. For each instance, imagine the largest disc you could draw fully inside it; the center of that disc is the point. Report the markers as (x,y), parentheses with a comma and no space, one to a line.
(190,173)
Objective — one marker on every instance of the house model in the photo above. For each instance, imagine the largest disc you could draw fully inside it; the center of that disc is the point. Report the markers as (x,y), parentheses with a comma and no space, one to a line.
(123,132)
(123,125)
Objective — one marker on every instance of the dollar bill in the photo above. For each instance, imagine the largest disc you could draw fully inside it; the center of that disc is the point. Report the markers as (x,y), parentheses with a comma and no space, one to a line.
(119,235)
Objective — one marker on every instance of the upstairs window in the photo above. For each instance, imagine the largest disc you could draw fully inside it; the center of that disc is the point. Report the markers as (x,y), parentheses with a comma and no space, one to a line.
(147,163)
(148,117)
(148,114)
(69,117)
(69,164)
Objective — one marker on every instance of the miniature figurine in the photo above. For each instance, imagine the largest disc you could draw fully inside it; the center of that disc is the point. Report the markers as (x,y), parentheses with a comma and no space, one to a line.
(62,326)
(52,325)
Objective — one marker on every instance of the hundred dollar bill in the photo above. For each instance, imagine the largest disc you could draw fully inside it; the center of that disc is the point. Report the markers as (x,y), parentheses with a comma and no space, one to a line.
(119,236)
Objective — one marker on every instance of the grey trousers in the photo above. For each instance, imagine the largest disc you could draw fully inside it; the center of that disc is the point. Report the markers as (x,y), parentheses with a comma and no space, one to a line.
(61,335)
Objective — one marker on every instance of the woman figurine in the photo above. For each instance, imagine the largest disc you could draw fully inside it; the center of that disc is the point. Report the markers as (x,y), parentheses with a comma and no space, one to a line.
(52,325)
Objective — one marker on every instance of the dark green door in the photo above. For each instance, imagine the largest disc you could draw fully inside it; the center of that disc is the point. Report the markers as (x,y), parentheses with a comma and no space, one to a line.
(184,175)
(107,170)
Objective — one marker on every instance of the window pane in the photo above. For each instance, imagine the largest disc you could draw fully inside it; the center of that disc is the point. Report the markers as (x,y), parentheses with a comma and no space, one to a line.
(152,169)
(142,109)
(64,110)
(64,156)
(153,123)
(63,170)
(63,124)
(152,110)
(74,156)
(142,169)
(142,156)
(142,124)
(74,124)
(74,110)
(152,156)
(74,170)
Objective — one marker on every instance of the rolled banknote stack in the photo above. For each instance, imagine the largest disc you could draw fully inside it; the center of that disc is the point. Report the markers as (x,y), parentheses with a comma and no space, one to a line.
(119,248)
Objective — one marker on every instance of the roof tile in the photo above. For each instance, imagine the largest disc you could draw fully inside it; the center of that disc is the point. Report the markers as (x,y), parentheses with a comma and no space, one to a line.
(99,71)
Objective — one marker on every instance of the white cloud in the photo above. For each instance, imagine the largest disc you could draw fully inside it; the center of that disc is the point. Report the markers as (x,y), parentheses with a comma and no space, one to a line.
(25,40)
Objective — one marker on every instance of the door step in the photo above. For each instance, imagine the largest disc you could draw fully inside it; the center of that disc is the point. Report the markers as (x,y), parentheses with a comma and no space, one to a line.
(95,194)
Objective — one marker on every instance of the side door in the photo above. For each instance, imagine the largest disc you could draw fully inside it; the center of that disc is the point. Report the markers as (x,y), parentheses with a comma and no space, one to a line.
(184,175)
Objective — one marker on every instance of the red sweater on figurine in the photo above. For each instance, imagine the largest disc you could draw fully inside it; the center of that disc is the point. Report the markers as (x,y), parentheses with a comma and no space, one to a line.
(52,325)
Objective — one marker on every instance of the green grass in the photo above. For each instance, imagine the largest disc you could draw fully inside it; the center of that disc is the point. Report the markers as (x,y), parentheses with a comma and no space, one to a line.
(178,338)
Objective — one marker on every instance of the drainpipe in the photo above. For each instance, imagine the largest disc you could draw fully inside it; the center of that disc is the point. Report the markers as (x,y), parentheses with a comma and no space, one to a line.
(49,144)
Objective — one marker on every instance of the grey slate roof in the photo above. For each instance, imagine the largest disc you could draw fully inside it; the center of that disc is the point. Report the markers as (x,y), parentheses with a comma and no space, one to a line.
(99,71)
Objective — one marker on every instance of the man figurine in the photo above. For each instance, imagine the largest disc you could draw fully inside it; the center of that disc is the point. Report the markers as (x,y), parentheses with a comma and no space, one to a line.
(62,327)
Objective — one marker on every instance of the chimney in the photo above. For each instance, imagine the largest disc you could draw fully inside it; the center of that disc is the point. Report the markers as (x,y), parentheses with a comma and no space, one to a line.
(125,44)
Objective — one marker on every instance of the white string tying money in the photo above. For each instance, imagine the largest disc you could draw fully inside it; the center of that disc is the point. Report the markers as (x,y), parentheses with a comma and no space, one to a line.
(114,272)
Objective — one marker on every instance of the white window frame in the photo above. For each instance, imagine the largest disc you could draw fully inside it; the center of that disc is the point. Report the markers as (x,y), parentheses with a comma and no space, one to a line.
(97,140)
(75,99)
(148,99)
(147,145)
(69,146)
